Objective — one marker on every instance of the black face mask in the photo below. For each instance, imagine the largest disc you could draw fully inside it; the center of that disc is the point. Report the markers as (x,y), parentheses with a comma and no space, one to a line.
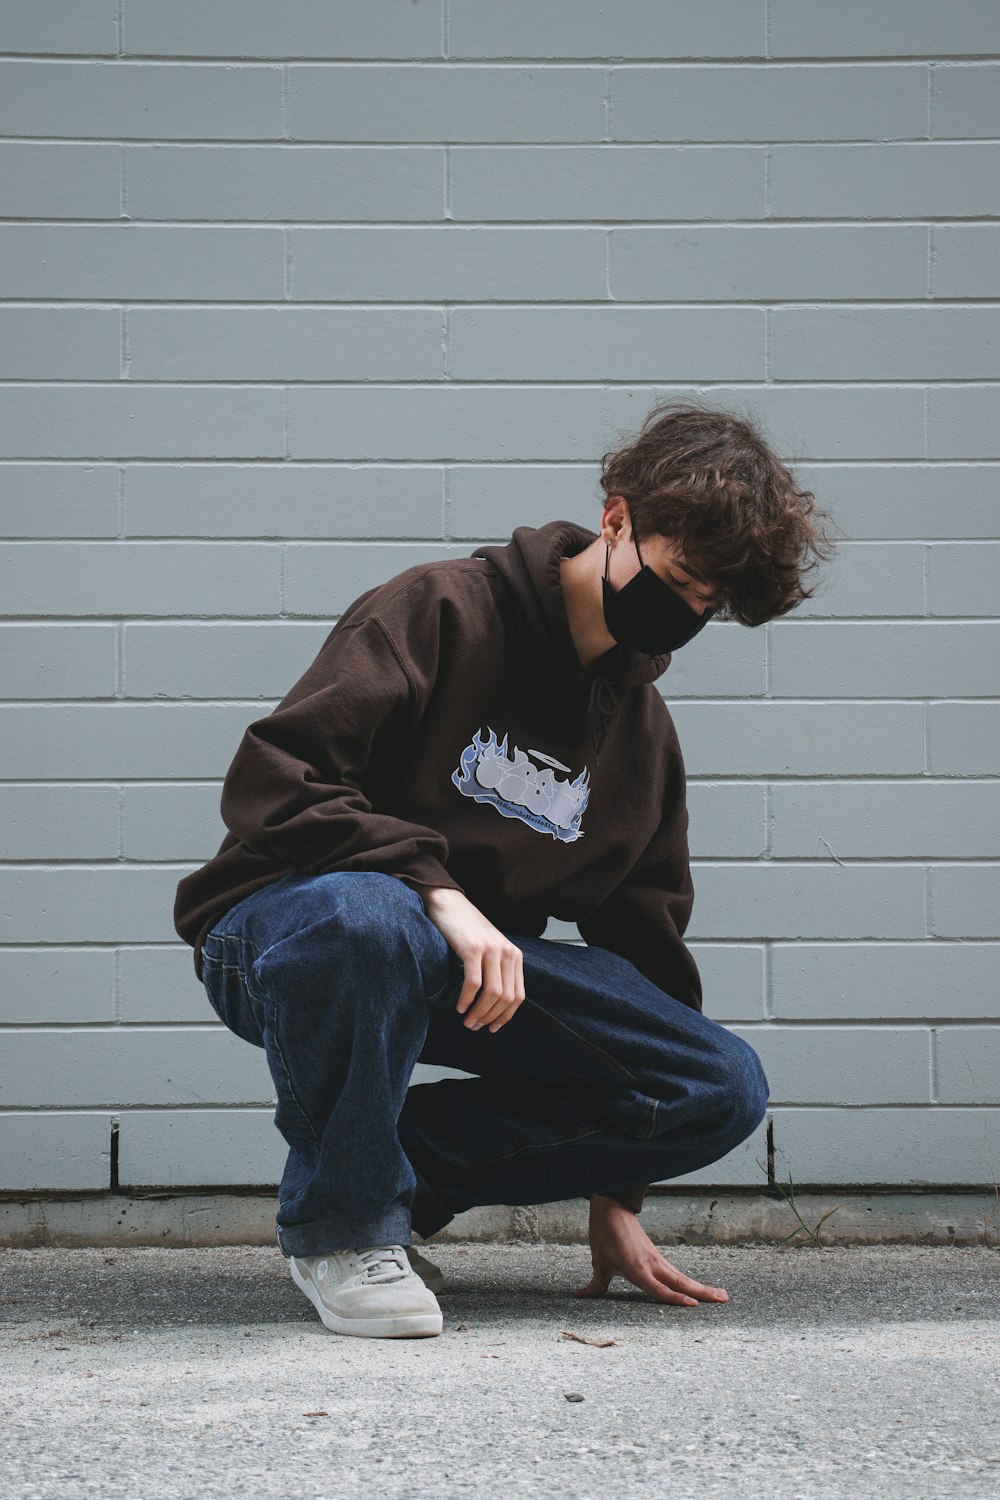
(648,614)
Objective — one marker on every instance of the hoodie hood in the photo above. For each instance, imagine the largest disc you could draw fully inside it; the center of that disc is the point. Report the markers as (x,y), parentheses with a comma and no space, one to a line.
(530,564)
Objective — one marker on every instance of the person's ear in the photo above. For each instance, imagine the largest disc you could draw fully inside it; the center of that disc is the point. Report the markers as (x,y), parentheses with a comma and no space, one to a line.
(619,517)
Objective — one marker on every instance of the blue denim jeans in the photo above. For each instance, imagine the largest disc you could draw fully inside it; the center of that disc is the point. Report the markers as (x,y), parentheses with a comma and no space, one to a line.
(599,1081)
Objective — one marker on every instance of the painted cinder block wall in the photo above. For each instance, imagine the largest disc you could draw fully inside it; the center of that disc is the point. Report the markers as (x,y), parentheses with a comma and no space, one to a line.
(296,296)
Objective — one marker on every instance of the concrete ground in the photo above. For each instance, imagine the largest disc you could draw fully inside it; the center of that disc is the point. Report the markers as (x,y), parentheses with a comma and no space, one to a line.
(846,1371)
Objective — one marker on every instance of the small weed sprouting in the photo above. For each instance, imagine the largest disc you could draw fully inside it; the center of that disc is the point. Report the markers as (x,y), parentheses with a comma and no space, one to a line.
(803,1229)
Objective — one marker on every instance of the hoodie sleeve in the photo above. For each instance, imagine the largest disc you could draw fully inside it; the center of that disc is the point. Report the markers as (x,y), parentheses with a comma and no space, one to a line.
(645,917)
(295,788)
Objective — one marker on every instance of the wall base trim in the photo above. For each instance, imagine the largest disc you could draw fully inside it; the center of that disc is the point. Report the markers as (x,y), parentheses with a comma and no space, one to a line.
(670,1217)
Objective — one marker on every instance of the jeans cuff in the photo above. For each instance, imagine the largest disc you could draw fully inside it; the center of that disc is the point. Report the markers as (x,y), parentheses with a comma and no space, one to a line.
(393,1228)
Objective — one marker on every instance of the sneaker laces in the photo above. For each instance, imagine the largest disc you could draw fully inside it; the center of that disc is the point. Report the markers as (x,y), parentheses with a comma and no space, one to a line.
(384,1263)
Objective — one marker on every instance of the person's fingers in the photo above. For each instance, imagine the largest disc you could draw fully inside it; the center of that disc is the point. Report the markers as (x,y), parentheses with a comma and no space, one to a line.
(491,995)
(675,1279)
(509,963)
(473,981)
(596,1286)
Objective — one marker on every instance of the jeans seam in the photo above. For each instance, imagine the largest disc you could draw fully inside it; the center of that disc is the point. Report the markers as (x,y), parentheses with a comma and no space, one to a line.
(265,1001)
(561,1140)
(586,1042)
(652,1103)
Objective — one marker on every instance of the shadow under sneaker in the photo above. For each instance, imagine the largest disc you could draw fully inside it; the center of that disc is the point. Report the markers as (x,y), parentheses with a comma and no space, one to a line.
(373,1293)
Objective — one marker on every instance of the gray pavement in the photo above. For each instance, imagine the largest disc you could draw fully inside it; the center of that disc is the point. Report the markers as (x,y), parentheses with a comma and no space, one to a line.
(847,1371)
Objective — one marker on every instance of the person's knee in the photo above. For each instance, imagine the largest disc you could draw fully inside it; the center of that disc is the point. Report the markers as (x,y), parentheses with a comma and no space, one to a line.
(368,906)
(742,1086)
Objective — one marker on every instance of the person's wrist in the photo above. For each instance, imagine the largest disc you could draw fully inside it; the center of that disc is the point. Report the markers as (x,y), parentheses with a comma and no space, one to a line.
(441,895)
(600,1203)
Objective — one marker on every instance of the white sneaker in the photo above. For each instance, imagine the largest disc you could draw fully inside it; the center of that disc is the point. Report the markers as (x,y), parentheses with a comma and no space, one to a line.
(372,1293)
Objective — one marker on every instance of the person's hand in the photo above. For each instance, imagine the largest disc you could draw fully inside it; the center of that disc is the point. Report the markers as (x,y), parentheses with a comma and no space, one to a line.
(619,1246)
(494,966)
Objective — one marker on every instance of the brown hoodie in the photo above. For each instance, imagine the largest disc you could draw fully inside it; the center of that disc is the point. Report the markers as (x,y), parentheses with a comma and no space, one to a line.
(447,733)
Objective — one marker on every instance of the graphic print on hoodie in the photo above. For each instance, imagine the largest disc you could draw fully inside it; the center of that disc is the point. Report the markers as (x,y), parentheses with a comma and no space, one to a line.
(518,789)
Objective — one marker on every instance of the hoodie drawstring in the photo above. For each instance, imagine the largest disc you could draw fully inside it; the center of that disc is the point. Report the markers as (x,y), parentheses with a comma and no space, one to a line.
(604,699)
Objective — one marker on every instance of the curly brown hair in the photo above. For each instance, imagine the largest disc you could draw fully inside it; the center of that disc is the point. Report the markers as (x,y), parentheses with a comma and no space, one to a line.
(708,480)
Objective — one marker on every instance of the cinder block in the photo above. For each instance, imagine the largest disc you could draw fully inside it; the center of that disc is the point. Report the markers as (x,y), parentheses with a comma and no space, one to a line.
(102,904)
(725,660)
(610,343)
(45,180)
(967,1060)
(906,659)
(147,1065)
(167,822)
(134,101)
(902,28)
(141,578)
(445,103)
(448,263)
(801,422)
(843,1064)
(58,822)
(324,577)
(607,182)
(964,99)
(158,986)
(965,901)
(732,978)
(57,661)
(53,26)
(107,741)
(59,500)
(900,179)
(897,501)
(287,343)
(807,901)
(284,182)
(59,1151)
(772,103)
(924,819)
(142,260)
(772,262)
(304,28)
(963,578)
(885,343)
(43,986)
(868,578)
(177,1148)
(136,421)
(60,343)
(963,259)
(562,28)
(917,1146)
(218,661)
(488,501)
(415,423)
(726,821)
(801,739)
(963,421)
(963,739)
(884,981)
(284,500)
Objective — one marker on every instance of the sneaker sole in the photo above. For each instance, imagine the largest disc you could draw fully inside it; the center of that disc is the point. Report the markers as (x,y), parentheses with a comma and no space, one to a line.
(405,1326)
